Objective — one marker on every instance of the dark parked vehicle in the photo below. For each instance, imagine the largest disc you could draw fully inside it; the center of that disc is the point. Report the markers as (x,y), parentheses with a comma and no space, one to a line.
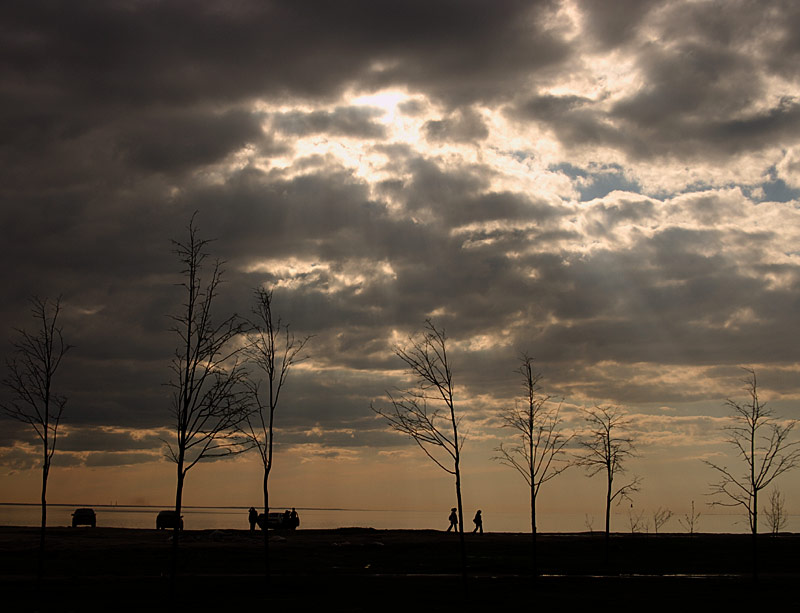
(84,517)
(168,519)
(278,521)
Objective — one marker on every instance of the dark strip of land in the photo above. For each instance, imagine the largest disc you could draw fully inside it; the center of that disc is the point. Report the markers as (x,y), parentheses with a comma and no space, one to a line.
(360,569)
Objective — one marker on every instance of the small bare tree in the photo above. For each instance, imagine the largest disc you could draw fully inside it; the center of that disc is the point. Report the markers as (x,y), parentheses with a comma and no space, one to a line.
(775,513)
(636,520)
(689,520)
(762,443)
(427,360)
(539,455)
(32,398)
(606,448)
(274,350)
(208,397)
(660,517)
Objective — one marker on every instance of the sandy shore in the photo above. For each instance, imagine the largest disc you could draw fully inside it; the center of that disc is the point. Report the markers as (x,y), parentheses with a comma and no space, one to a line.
(363,569)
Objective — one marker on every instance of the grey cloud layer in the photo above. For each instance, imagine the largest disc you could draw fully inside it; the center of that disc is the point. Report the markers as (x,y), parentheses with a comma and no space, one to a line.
(119,121)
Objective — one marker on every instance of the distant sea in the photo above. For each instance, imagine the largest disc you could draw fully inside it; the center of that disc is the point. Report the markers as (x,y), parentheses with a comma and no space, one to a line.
(211,518)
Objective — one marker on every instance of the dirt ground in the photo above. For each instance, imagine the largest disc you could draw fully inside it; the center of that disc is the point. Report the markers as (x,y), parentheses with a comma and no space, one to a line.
(360,569)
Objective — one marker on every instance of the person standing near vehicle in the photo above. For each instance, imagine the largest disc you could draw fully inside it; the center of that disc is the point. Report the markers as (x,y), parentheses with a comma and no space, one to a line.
(253,517)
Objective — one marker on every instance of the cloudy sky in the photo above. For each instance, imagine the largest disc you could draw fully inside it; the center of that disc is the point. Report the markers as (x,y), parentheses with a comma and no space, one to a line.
(612,187)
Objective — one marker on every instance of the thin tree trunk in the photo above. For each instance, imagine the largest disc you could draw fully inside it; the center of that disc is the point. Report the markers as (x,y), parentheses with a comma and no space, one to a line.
(533,532)
(173,575)
(461,527)
(608,522)
(43,528)
(266,525)
(755,535)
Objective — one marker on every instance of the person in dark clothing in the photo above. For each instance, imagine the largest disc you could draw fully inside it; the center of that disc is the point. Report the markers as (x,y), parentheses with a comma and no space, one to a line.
(453,520)
(478,522)
(252,515)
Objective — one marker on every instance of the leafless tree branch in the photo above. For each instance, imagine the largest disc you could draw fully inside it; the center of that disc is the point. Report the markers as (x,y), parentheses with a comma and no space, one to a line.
(435,431)
(273,350)
(31,371)
(209,400)
(540,454)
(606,449)
(762,445)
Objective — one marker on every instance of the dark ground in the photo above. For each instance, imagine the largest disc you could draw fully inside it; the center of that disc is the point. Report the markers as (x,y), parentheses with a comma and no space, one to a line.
(360,569)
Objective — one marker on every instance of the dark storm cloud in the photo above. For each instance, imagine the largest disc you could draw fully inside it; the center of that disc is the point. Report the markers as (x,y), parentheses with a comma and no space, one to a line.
(184,52)
(465,126)
(700,78)
(612,24)
(463,196)
(163,143)
(118,121)
(94,439)
(356,122)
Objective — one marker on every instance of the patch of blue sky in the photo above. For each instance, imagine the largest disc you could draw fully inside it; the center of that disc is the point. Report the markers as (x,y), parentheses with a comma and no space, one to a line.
(598,183)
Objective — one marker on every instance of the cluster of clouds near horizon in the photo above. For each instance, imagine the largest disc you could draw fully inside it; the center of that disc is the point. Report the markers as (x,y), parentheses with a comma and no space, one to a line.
(611,187)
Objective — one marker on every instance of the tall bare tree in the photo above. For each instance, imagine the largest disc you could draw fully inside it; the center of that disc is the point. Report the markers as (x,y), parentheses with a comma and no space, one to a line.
(539,454)
(606,448)
(426,358)
(208,396)
(274,350)
(32,398)
(762,444)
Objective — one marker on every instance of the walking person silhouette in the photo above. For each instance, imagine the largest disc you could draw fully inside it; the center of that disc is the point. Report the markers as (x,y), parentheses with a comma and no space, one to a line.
(453,520)
(478,522)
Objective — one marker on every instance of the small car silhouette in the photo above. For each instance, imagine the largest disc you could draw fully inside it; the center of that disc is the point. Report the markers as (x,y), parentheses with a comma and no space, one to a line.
(168,519)
(84,517)
(277,521)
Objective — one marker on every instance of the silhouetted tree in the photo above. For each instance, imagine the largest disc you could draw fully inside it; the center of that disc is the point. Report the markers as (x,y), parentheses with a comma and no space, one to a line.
(606,449)
(660,517)
(762,443)
(274,350)
(636,520)
(32,399)
(538,456)
(775,512)
(208,399)
(426,359)
(689,520)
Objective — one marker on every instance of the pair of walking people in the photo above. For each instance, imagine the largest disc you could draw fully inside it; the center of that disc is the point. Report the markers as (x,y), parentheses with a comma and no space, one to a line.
(477,520)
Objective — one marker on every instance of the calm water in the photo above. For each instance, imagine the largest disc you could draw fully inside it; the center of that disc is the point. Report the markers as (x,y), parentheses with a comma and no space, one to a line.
(205,518)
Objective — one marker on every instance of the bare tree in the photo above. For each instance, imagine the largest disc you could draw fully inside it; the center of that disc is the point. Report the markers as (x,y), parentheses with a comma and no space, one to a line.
(637,520)
(689,520)
(426,359)
(660,517)
(776,512)
(606,448)
(539,455)
(274,350)
(762,443)
(208,398)
(32,398)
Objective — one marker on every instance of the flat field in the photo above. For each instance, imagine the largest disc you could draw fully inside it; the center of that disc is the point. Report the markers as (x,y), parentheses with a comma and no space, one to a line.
(360,569)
